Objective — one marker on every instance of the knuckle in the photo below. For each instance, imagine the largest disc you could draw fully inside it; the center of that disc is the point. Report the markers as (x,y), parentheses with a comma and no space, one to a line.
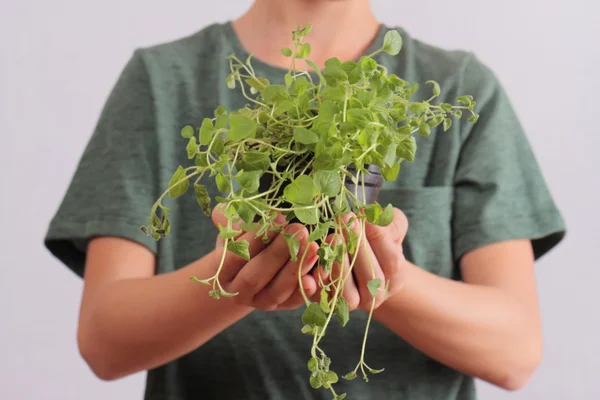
(250,282)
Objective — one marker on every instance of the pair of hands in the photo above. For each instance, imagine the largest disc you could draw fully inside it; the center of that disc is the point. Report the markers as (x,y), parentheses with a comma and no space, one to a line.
(269,281)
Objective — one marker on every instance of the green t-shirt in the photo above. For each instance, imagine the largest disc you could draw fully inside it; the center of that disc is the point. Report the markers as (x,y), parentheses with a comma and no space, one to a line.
(469,186)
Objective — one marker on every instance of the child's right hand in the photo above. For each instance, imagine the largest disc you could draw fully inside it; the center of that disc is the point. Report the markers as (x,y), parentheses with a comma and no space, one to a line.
(269,281)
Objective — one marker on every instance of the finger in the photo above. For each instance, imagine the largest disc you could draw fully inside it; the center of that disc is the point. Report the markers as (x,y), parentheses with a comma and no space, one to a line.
(283,285)
(367,266)
(395,231)
(234,263)
(386,244)
(296,299)
(261,269)
(218,216)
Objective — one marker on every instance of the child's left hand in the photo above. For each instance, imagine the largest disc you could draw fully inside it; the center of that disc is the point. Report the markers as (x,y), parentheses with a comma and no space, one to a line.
(381,253)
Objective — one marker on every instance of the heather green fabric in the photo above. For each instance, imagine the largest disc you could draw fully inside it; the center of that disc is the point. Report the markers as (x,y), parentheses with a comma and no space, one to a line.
(470,186)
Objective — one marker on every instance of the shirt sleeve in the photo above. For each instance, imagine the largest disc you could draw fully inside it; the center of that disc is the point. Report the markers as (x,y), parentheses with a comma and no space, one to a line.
(113,187)
(500,192)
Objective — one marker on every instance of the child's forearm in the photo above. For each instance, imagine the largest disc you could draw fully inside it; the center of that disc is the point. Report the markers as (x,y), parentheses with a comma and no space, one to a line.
(479,330)
(138,324)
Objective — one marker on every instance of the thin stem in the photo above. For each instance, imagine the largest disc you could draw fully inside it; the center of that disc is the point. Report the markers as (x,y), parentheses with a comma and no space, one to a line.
(306,300)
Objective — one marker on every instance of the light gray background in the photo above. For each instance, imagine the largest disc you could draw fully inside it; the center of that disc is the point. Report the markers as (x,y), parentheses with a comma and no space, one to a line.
(60,58)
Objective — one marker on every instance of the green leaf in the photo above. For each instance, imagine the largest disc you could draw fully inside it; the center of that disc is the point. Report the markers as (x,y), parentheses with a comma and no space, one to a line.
(247,214)
(230,81)
(201,160)
(259,84)
(373,285)
(350,376)
(324,303)
(319,232)
(436,88)
(340,396)
(376,371)
(466,100)
(301,191)
(326,160)
(435,121)
(355,75)
(293,245)
(340,204)
(191,148)
(314,381)
(392,42)
(341,311)
(373,211)
(240,248)
(313,364)
(386,217)
(313,315)
(222,184)
(222,121)
(286,51)
(254,161)
(352,239)
(187,132)
(307,329)
(206,131)
(419,108)
(474,119)
(218,146)
(304,136)
(328,182)
(221,110)
(316,68)
(304,51)
(289,79)
(332,377)
(414,87)
(457,114)
(249,180)
(178,189)
(368,65)
(275,93)
(284,107)
(334,73)
(424,129)
(446,107)
(203,198)
(305,31)
(447,124)
(228,233)
(241,127)
(391,173)
(407,148)
(309,216)
(390,154)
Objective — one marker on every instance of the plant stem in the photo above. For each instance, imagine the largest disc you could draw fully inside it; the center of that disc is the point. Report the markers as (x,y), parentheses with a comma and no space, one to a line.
(306,300)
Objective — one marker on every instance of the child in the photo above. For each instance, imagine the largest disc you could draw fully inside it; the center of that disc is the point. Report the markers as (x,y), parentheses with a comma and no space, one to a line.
(472,215)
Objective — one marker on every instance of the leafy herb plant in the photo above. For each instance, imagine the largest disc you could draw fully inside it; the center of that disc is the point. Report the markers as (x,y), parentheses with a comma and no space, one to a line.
(303,149)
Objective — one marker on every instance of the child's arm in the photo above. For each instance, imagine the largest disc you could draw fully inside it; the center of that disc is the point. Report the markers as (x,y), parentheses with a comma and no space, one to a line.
(132,320)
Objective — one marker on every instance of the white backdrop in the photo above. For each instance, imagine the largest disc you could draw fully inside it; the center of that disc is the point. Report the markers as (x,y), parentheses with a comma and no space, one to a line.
(60,58)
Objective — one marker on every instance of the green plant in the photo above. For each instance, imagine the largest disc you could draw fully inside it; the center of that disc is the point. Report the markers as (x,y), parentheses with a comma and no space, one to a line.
(309,136)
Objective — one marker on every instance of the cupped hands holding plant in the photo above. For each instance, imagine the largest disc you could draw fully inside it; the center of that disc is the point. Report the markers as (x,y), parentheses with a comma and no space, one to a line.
(269,281)
(379,263)
(294,169)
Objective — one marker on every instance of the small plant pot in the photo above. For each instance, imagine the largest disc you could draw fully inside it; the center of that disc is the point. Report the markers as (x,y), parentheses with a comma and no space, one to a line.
(373,182)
